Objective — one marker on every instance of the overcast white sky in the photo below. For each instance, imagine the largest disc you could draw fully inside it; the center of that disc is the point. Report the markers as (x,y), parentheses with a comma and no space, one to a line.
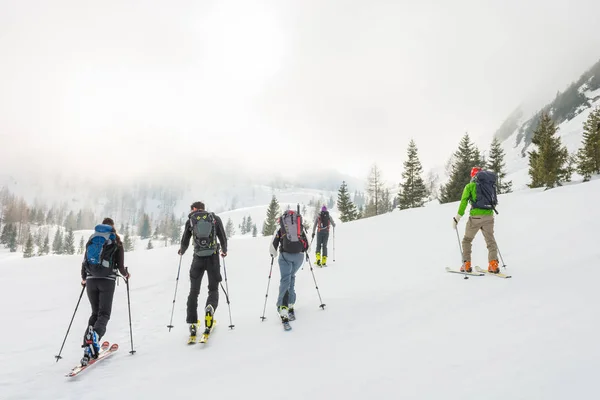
(132,82)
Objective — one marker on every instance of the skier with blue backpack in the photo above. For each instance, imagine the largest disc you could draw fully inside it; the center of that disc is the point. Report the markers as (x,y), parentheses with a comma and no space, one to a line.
(205,227)
(480,193)
(104,256)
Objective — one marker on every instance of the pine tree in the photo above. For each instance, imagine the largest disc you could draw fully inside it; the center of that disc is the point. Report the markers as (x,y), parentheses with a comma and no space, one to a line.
(81,246)
(229,228)
(37,238)
(70,222)
(28,252)
(496,164)
(127,242)
(249,224)
(70,242)
(46,246)
(385,204)
(463,160)
(150,246)
(271,221)
(254,231)
(175,231)
(375,192)
(13,242)
(146,230)
(57,243)
(413,192)
(6,230)
(588,156)
(344,204)
(547,162)
(243,226)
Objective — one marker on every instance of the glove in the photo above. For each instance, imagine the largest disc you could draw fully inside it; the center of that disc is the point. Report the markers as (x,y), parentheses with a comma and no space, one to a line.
(83,282)
(127,274)
(272,250)
(455,221)
(223,254)
(180,252)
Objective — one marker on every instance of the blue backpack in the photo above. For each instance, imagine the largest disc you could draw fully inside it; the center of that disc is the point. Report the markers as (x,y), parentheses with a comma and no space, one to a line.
(485,183)
(99,252)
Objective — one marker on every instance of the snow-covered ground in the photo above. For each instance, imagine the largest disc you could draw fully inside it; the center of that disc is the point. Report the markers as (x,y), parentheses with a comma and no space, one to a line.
(395,325)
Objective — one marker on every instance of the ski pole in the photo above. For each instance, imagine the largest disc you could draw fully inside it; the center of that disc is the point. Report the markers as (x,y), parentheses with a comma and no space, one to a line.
(314,279)
(175,296)
(58,357)
(333,244)
(129,308)
(460,248)
(227,294)
(267,294)
(500,254)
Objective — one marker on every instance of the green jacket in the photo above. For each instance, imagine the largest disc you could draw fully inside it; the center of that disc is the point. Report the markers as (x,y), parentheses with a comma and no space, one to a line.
(470,193)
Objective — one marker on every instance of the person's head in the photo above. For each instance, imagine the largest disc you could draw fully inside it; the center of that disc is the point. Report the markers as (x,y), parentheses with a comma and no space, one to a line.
(474,171)
(197,205)
(324,208)
(108,221)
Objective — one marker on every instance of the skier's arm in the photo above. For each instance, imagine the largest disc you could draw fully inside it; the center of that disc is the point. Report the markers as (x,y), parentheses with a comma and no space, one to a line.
(185,239)
(275,243)
(221,234)
(464,201)
(120,260)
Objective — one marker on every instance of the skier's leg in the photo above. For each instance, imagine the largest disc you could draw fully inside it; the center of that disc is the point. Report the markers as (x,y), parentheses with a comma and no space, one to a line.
(285,269)
(488,233)
(473,225)
(93,294)
(196,273)
(297,260)
(106,289)
(213,270)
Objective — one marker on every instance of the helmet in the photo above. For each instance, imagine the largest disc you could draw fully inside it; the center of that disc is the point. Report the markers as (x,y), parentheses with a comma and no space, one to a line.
(474,171)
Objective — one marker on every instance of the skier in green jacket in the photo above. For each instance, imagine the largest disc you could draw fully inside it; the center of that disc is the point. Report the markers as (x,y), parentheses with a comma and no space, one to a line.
(481,218)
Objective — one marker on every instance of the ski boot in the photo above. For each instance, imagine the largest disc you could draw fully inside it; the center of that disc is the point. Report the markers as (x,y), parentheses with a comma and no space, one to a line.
(493,267)
(193,333)
(466,267)
(208,318)
(324,261)
(318,259)
(291,314)
(91,346)
(284,313)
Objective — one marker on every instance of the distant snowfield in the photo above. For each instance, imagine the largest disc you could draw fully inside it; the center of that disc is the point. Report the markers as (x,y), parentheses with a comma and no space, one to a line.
(396,325)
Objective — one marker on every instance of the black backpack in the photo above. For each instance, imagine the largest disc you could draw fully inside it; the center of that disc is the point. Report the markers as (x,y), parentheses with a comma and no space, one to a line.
(293,241)
(324,220)
(203,226)
(487,198)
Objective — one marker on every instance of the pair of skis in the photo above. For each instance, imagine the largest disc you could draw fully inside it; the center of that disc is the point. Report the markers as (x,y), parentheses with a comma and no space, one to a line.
(480,272)
(106,350)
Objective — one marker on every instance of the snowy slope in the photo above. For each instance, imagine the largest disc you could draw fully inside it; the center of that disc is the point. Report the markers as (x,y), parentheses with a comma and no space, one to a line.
(570,131)
(396,325)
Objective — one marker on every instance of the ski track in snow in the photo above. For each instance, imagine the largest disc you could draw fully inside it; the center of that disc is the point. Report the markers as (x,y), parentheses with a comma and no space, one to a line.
(396,325)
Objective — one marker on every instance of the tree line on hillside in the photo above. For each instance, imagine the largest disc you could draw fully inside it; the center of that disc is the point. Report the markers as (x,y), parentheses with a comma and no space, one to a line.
(27,227)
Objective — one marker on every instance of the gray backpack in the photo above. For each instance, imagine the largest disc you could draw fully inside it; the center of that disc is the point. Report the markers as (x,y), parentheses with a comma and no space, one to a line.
(203,225)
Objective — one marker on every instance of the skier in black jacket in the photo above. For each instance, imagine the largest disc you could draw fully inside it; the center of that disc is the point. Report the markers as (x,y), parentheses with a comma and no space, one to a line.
(205,227)
(100,288)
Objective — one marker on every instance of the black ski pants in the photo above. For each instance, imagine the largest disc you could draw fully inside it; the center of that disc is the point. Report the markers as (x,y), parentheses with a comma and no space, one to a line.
(212,267)
(100,293)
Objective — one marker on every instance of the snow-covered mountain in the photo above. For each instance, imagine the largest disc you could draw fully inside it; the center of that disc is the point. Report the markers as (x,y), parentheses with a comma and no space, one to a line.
(569,110)
(395,324)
